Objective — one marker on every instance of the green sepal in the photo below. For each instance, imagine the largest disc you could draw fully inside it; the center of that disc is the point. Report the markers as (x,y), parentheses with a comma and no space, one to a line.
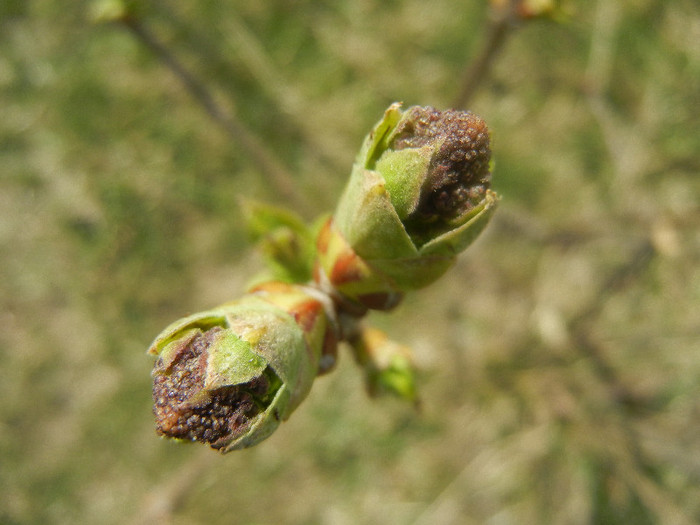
(414,272)
(369,221)
(185,328)
(377,140)
(457,240)
(402,171)
(232,361)
(275,337)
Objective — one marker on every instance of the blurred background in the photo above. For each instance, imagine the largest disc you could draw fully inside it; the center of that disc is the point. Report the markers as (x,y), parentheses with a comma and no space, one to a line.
(559,360)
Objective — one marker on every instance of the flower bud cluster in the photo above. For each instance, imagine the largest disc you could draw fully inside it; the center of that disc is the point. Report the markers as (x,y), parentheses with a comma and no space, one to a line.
(419,193)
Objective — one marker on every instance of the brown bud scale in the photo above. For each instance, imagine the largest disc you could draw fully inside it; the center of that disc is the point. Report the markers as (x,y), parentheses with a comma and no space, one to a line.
(459,171)
(183,410)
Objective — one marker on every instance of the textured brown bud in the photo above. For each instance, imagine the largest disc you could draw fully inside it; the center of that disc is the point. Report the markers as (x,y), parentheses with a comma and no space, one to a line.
(185,409)
(458,175)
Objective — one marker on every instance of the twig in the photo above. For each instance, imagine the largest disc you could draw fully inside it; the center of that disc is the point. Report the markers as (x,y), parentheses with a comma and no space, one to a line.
(281,179)
(578,326)
(235,37)
(163,500)
(288,101)
(616,282)
(499,29)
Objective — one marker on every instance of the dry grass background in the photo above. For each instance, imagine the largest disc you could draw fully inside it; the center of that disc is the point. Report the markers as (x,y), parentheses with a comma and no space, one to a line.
(560,358)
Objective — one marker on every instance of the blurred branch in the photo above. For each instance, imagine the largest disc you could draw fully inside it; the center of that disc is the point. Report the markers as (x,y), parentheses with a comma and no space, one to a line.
(600,53)
(163,500)
(501,26)
(239,39)
(616,282)
(617,137)
(278,88)
(281,179)
(579,326)
(520,225)
(505,17)
(625,141)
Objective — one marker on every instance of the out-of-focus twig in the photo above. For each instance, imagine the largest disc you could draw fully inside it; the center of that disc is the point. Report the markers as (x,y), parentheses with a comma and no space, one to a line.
(616,282)
(281,179)
(164,499)
(630,143)
(501,26)
(235,38)
(579,326)
(288,101)
(505,17)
